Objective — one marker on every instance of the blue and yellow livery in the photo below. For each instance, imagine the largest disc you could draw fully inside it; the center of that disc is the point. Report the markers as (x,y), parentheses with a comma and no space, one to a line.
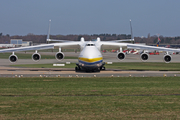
(90,61)
(90,58)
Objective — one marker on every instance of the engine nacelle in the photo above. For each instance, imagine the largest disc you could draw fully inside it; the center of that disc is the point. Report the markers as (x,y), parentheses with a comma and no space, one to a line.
(13,58)
(144,57)
(167,58)
(36,57)
(121,56)
(59,56)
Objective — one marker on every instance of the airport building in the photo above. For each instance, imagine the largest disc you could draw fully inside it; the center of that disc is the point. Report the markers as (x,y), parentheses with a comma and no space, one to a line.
(20,43)
(16,43)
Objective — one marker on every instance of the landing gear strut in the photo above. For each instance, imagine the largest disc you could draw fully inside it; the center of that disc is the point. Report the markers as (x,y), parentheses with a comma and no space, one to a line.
(90,68)
(102,67)
(77,68)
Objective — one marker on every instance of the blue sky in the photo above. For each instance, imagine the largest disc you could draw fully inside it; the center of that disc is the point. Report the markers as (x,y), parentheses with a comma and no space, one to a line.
(20,17)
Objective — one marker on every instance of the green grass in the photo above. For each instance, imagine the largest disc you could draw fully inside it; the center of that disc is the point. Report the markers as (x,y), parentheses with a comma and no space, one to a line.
(122,66)
(145,66)
(29,56)
(90,98)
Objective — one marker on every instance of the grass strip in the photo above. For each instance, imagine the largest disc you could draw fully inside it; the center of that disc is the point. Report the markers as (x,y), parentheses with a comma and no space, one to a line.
(122,66)
(42,98)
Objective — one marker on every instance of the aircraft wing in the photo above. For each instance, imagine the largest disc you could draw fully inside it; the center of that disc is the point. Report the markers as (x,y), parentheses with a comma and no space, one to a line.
(59,41)
(146,47)
(112,45)
(37,47)
(42,47)
(68,45)
(125,40)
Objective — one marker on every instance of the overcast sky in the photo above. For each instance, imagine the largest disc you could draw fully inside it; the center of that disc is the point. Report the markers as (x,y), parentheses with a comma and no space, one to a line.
(20,17)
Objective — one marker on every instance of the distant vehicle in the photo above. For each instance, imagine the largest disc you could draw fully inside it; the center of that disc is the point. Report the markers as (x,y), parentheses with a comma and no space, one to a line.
(131,51)
(114,51)
(154,53)
(104,51)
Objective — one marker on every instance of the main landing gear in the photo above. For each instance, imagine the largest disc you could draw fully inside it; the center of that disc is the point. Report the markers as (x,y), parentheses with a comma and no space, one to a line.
(102,68)
(77,69)
(89,68)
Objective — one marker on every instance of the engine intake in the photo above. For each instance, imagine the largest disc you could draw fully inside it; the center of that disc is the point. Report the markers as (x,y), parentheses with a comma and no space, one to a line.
(59,56)
(36,57)
(13,58)
(121,56)
(144,57)
(167,58)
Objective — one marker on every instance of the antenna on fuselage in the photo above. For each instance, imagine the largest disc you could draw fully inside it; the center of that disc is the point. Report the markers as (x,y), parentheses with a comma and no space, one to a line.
(48,35)
(132,38)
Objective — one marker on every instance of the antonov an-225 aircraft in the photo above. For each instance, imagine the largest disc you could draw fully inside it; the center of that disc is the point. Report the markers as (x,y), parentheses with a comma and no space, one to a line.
(90,58)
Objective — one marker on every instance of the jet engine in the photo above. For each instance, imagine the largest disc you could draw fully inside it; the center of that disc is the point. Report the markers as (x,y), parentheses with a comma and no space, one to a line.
(167,58)
(13,58)
(36,57)
(144,57)
(121,56)
(59,56)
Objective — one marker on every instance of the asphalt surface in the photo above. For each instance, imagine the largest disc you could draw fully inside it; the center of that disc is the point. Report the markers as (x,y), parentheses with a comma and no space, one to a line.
(7,71)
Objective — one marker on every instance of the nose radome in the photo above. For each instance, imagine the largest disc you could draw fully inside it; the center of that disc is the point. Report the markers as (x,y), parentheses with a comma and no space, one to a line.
(90,53)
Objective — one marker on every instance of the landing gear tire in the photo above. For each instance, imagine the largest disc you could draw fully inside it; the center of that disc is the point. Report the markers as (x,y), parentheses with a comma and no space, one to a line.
(77,69)
(102,68)
(97,70)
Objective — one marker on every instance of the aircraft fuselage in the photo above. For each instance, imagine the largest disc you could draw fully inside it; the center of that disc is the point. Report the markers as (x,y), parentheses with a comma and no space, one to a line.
(90,58)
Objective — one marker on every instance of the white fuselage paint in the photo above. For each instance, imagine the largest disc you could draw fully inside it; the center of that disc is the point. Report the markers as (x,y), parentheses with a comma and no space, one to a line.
(90,57)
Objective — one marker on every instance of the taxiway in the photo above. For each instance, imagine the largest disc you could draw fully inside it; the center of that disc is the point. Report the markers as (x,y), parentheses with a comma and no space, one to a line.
(7,71)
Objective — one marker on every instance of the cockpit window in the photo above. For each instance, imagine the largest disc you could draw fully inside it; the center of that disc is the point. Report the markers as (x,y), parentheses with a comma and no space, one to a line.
(90,45)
